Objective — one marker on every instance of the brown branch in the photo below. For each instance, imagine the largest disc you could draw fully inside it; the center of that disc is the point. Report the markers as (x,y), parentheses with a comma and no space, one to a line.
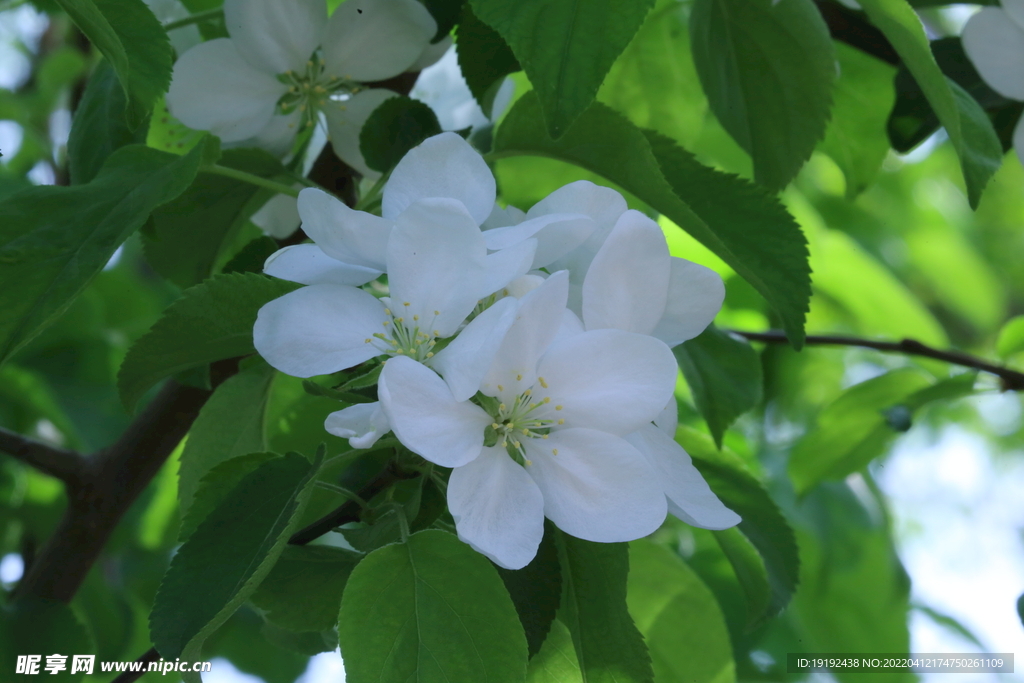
(852,27)
(151,655)
(52,460)
(350,509)
(110,484)
(1011,379)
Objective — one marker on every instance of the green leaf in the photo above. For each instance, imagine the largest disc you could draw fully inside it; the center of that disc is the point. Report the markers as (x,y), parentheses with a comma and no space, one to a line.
(1020,608)
(856,138)
(188,235)
(609,648)
(724,374)
(654,82)
(556,661)
(738,221)
(303,590)
(430,610)
(214,486)
(536,590)
(211,321)
(767,67)
(679,617)
(565,47)
(1011,337)
(29,625)
(484,58)
(854,592)
(230,424)
(99,127)
(445,13)
(968,127)
(252,256)
(134,42)
(763,523)
(860,425)
(395,127)
(54,240)
(750,571)
(225,559)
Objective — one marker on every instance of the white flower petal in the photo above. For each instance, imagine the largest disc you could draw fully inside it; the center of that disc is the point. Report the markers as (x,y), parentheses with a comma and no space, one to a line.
(627,283)
(279,217)
(214,89)
(278,135)
(500,218)
(692,499)
(523,285)
(557,234)
(695,296)
(426,417)
(1015,10)
(276,35)
(508,265)
(608,379)
(498,509)
(344,122)
(536,324)
(436,264)
(1018,139)
(362,424)
(309,265)
(598,487)
(318,329)
(668,420)
(570,327)
(431,54)
(995,45)
(344,234)
(371,40)
(465,361)
(604,205)
(441,166)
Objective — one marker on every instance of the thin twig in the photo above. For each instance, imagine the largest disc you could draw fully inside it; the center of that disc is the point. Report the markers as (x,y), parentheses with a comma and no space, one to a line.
(1011,378)
(350,509)
(151,655)
(52,460)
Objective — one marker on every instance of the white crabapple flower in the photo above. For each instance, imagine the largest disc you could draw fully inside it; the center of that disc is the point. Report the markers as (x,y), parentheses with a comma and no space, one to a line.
(544,435)
(286,62)
(349,246)
(633,284)
(994,42)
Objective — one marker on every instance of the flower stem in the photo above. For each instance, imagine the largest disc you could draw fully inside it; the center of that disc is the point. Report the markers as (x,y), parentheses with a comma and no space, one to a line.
(251,179)
(193,19)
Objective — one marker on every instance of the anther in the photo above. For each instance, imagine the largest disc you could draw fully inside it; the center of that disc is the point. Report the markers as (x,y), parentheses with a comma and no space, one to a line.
(542,382)
(501,407)
(554,451)
(529,462)
(519,378)
(388,311)
(495,425)
(547,399)
(544,436)
(367,340)
(558,407)
(430,354)
(526,432)
(561,421)
(437,312)
(415,317)
(399,319)
(406,303)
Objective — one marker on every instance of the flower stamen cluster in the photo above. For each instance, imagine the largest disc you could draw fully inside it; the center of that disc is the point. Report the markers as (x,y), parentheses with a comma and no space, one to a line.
(406,339)
(309,91)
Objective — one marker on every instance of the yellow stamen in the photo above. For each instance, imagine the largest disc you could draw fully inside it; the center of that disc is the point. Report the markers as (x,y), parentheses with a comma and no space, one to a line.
(558,407)
(501,388)
(554,451)
(542,382)
(519,378)
(561,421)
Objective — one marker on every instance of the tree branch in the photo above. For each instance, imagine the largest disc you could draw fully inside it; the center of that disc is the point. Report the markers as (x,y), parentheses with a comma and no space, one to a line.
(350,509)
(150,655)
(852,27)
(52,460)
(110,484)
(1011,379)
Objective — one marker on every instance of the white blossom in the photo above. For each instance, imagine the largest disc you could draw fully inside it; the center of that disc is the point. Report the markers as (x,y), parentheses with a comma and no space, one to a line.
(286,61)
(547,439)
